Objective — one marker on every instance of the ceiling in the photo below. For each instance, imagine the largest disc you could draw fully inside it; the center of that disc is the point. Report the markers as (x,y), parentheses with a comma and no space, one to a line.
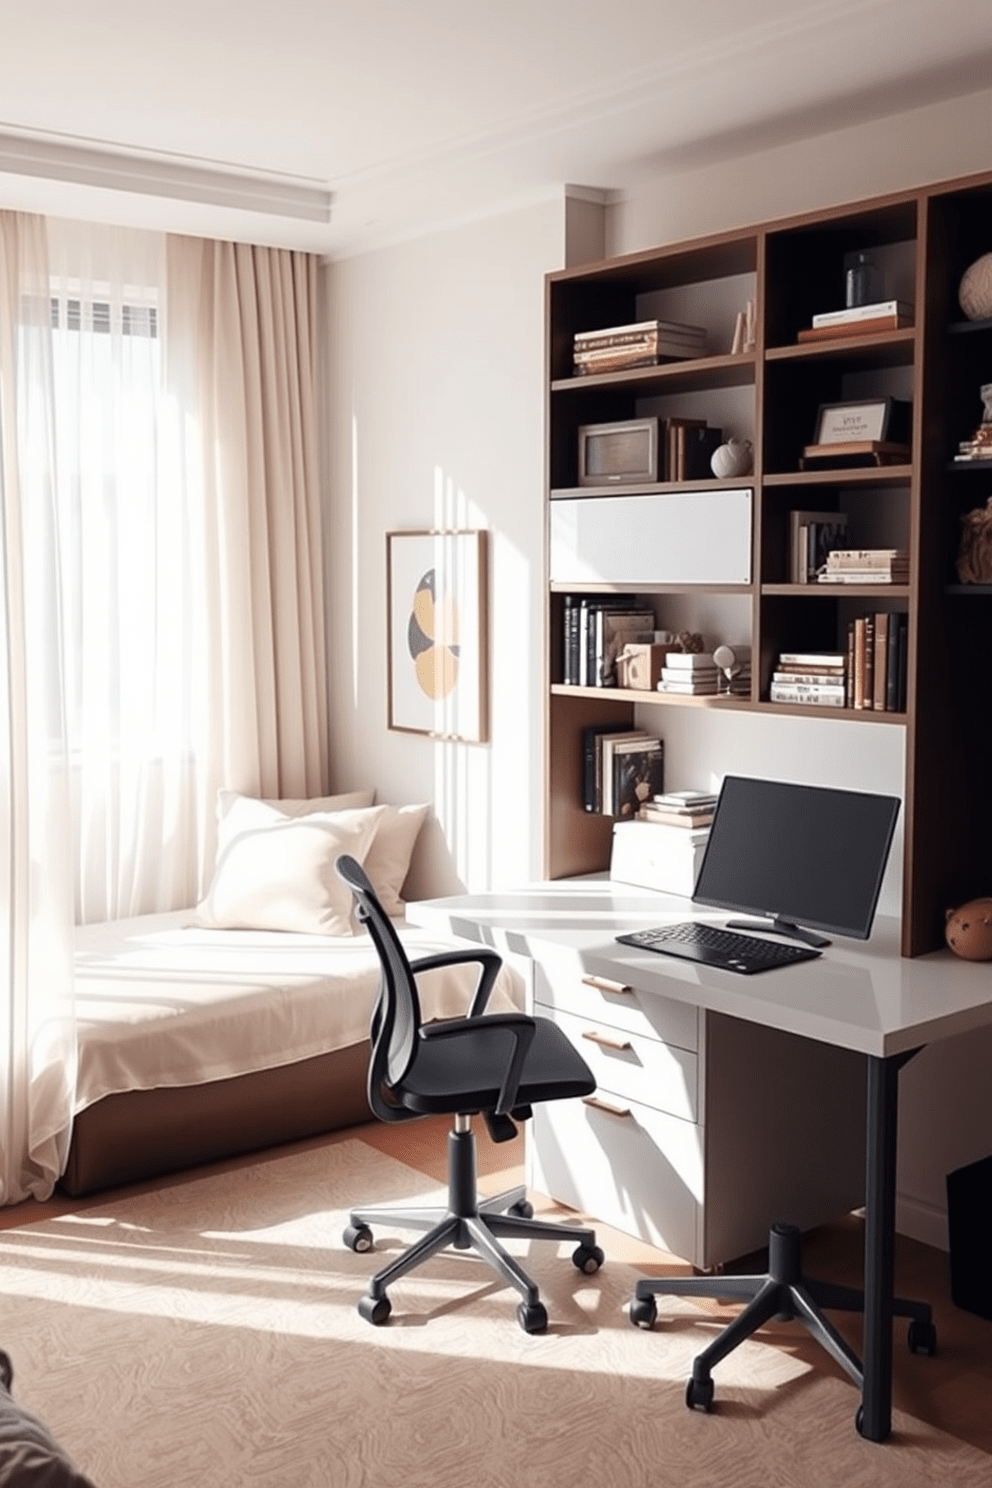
(400,114)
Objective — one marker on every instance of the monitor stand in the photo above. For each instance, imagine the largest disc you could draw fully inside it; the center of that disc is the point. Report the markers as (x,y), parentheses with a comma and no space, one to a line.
(776,925)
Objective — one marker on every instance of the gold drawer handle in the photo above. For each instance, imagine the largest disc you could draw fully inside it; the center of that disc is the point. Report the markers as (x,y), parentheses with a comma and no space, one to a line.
(599,1104)
(603,984)
(605,1041)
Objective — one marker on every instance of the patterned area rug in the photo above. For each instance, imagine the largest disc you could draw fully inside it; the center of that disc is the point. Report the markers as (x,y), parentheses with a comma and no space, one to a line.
(206,1336)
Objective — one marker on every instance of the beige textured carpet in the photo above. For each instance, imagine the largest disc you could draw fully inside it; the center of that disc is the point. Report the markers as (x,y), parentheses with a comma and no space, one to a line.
(206,1335)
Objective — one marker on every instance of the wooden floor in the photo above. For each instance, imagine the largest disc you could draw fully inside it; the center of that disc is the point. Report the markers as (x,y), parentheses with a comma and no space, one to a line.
(953,1390)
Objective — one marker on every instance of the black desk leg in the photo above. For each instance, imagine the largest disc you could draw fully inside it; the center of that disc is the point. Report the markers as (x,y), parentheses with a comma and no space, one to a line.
(875,1417)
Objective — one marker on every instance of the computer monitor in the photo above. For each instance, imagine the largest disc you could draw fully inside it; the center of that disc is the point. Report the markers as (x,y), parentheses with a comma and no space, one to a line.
(807,857)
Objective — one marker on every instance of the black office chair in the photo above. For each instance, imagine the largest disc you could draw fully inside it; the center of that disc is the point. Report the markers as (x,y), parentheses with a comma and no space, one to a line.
(499,1064)
(783,1292)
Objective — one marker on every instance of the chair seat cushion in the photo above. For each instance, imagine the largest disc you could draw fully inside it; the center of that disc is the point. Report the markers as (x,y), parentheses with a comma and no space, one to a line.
(464,1074)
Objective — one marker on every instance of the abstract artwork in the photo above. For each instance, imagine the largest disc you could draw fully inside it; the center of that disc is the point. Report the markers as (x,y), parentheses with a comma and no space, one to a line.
(437,626)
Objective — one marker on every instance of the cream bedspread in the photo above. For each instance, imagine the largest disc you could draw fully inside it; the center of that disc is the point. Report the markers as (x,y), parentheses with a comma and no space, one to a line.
(163,1003)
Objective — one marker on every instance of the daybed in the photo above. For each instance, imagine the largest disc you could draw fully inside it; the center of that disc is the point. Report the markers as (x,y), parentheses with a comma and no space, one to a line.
(209,1032)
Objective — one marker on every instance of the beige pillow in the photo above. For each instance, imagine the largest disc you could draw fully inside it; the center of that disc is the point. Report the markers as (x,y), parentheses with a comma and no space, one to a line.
(387,861)
(276,872)
(346,802)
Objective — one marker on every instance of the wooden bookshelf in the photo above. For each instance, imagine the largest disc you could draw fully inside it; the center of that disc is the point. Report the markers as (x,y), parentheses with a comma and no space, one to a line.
(791,268)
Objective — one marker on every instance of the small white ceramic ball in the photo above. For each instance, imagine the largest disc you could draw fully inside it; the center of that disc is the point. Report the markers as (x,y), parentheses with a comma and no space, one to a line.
(975,290)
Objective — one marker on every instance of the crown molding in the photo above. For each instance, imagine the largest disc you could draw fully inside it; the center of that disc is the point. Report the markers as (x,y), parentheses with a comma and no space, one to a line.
(89,164)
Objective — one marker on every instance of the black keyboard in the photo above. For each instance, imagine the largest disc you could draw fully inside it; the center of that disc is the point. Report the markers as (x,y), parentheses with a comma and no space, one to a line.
(715,947)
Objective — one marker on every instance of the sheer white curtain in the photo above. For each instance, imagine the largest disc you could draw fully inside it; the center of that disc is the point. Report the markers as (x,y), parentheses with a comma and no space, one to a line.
(131,531)
(37,1026)
(162,632)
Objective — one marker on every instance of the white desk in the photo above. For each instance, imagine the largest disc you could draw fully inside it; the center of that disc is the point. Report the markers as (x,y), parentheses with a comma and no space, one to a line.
(862,997)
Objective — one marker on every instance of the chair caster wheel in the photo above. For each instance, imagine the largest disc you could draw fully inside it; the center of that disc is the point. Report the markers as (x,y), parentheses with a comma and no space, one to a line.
(532,1317)
(859,1420)
(699,1394)
(588,1258)
(358,1238)
(375,1310)
(643,1312)
(523,1209)
(922,1338)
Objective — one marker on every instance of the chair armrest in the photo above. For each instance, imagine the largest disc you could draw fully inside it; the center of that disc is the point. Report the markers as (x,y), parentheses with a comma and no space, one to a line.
(523,1029)
(488,960)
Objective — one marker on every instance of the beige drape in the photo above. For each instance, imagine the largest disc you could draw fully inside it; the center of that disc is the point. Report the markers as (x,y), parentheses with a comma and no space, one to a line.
(241,350)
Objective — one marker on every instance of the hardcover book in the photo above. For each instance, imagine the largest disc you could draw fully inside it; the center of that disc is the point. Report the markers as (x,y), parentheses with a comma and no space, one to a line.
(638,770)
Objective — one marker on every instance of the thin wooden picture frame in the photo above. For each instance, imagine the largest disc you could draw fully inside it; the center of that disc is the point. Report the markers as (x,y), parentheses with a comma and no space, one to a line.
(437,595)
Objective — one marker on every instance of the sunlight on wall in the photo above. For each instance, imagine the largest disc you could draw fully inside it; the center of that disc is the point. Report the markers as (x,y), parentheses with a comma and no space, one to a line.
(462,772)
(355,582)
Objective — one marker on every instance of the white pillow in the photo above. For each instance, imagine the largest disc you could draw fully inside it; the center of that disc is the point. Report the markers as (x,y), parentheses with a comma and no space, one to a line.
(387,861)
(276,872)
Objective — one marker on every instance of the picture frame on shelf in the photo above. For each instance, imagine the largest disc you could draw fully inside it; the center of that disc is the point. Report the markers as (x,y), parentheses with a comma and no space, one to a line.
(437,633)
(866,419)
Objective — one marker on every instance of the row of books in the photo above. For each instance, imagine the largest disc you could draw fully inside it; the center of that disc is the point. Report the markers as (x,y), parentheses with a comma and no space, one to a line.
(596,628)
(812,537)
(687,448)
(695,673)
(870,675)
(859,320)
(644,344)
(865,566)
(622,769)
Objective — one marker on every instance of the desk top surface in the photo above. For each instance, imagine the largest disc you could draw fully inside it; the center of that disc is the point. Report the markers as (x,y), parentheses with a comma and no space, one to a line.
(859,995)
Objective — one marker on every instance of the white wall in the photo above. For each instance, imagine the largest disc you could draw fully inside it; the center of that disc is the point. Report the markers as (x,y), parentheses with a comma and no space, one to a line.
(437,419)
(436,415)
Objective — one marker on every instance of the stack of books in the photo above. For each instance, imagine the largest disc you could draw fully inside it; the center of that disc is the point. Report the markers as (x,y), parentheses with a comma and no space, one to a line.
(690,673)
(816,678)
(859,320)
(865,566)
(683,811)
(812,537)
(644,344)
(978,447)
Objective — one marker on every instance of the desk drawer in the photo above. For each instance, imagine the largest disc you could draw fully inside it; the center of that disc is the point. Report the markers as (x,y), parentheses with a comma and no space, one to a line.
(567,986)
(635,1068)
(634,1168)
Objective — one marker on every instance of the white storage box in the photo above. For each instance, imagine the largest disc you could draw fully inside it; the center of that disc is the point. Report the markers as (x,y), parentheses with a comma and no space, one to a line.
(652,855)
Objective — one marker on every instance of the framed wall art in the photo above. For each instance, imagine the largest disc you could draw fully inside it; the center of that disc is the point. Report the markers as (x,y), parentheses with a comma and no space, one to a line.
(437,626)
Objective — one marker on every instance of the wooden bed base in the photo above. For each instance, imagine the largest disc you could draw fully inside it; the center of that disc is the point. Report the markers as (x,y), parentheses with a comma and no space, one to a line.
(144,1133)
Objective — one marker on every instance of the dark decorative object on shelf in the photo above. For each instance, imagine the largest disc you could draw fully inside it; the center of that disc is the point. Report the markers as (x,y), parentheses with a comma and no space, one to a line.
(975,554)
(969,930)
(862,281)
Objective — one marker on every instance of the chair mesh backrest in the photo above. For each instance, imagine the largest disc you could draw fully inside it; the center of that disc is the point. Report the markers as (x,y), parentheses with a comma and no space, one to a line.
(396,1016)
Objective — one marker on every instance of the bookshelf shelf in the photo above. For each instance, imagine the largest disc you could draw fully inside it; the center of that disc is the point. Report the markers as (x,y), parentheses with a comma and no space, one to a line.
(859,475)
(652,698)
(791,270)
(838,591)
(699,372)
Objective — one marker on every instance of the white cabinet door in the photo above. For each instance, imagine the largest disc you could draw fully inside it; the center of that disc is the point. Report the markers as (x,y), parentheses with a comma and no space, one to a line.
(677,538)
